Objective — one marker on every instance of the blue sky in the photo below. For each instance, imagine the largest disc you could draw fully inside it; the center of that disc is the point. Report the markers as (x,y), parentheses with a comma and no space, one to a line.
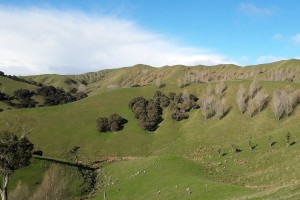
(68,36)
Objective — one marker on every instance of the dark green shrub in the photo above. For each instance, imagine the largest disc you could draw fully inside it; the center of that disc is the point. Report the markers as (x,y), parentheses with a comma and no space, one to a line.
(178,114)
(23,94)
(161,98)
(102,124)
(179,98)
(114,123)
(149,112)
(193,97)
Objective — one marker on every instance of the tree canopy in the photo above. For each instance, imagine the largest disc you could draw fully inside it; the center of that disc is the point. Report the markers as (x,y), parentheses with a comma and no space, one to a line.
(15,153)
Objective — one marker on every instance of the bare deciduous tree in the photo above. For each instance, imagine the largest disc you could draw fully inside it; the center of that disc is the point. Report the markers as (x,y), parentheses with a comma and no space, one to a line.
(179,83)
(284,102)
(21,192)
(290,101)
(261,99)
(158,83)
(221,109)
(212,103)
(185,95)
(220,89)
(278,104)
(81,88)
(209,91)
(252,107)
(254,88)
(242,99)
(208,106)
(53,186)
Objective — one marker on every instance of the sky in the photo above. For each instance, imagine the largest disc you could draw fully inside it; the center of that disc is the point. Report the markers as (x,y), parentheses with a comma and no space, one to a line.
(74,37)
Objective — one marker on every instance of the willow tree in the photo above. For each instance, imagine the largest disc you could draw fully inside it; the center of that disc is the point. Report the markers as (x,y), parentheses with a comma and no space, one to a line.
(15,153)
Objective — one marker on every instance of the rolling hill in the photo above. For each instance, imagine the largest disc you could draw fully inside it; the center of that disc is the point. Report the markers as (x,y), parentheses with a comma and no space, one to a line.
(180,159)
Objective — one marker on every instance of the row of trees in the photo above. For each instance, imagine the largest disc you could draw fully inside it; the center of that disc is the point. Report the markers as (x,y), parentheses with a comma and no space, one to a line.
(256,99)
(113,123)
(200,75)
(16,78)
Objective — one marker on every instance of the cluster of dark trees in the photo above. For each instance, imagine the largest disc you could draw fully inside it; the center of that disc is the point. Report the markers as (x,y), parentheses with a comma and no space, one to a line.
(182,103)
(78,95)
(52,96)
(149,112)
(5,97)
(23,96)
(114,123)
(21,99)
(25,100)
(57,96)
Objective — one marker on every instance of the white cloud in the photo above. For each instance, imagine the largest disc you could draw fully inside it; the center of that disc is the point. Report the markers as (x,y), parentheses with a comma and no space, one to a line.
(296,38)
(253,10)
(38,41)
(268,58)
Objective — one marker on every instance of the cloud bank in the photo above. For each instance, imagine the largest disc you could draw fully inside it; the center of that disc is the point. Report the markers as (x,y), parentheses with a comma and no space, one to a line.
(39,41)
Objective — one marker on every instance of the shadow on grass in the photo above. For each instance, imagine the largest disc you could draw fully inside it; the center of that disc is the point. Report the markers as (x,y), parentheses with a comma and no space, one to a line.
(292,143)
(224,154)
(273,143)
(253,147)
(63,162)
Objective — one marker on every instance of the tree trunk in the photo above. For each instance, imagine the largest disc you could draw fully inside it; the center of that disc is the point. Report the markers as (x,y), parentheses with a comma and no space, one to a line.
(3,190)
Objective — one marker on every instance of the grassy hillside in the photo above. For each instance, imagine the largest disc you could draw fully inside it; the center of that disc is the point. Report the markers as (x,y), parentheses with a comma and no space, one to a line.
(164,177)
(182,154)
(142,75)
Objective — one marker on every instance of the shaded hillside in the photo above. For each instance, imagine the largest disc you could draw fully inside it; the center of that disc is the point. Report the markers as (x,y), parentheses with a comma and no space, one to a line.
(16,92)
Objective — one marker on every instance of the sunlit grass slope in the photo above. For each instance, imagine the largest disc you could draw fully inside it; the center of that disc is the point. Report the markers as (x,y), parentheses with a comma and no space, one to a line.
(182,154)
